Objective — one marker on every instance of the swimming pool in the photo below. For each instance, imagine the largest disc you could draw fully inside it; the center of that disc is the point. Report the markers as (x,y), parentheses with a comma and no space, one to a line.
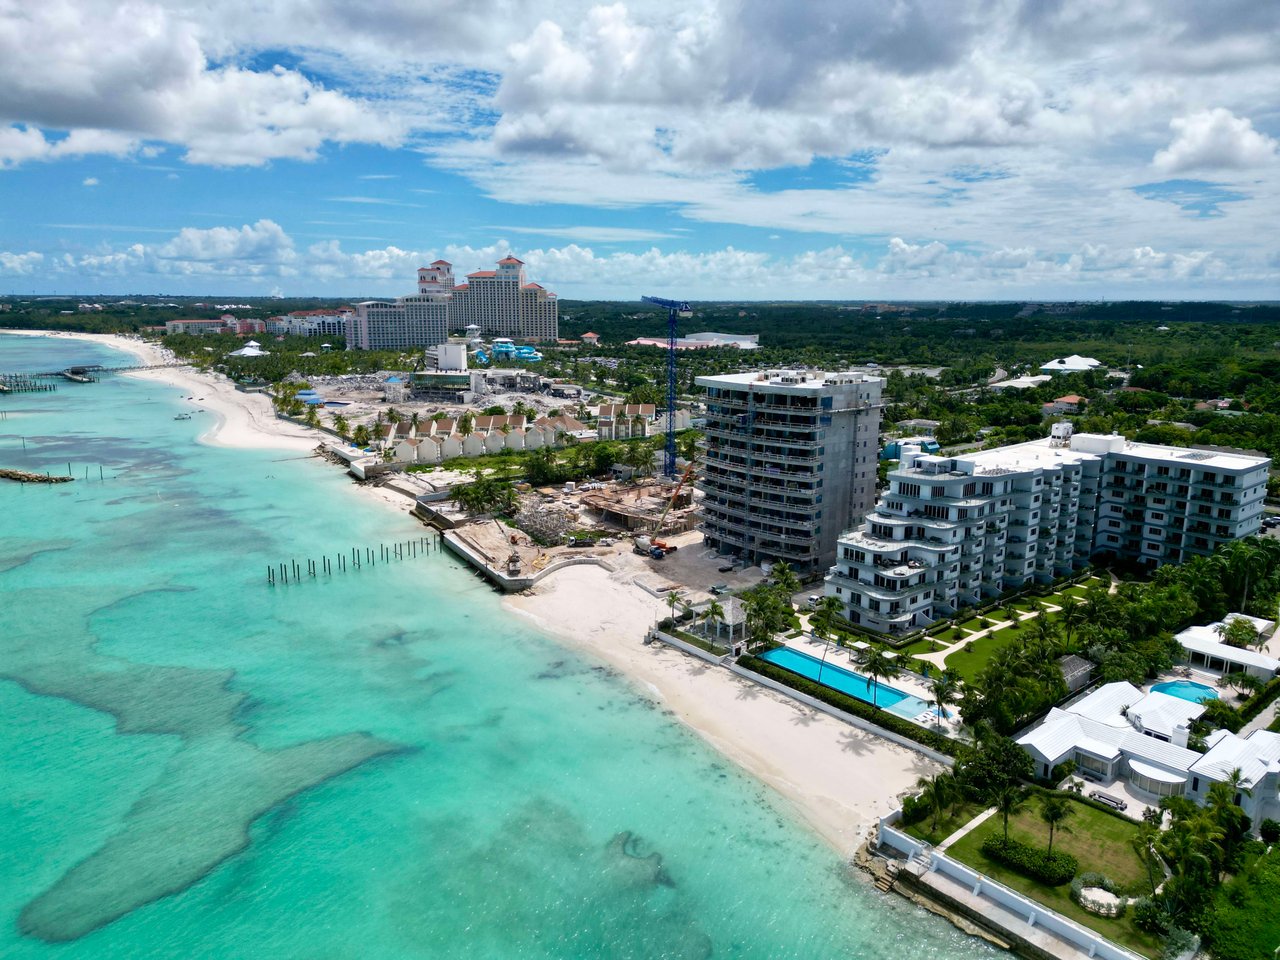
(1186,690)
(854,684)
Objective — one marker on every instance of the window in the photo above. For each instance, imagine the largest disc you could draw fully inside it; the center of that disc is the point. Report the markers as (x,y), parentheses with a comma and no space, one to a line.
(938,492)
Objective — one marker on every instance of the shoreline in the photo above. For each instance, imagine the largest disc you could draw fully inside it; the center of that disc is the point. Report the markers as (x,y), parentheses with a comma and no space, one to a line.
(835,778)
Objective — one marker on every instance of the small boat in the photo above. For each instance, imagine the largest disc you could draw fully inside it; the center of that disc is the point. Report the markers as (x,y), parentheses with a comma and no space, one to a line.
(183,416)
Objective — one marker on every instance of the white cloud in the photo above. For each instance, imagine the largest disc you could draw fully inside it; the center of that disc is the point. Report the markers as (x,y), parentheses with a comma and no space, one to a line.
(1215,140)
(22,264)
(89,182)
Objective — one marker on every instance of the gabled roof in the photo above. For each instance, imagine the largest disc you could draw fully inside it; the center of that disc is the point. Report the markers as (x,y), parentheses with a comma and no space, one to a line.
(441,263)
(510,259)
(1256,755)
(482,273)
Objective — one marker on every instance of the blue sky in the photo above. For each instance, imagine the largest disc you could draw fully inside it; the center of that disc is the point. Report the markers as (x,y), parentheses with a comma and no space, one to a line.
(720,149)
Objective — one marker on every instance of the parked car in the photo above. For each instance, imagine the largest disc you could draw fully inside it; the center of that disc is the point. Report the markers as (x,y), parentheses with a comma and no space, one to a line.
(719,588)
(1110,801)
(727,568)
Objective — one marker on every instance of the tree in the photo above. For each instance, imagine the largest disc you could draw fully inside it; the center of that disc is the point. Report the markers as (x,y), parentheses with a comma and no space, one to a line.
(823,619)
(1008,799)
(946,690)
(1238,632)
(939,792)
(467,424)
(785,578)
(312,417)
(1070,618)
(878,666)
(341,425)
(714,614)
(361,436)
(1055,811)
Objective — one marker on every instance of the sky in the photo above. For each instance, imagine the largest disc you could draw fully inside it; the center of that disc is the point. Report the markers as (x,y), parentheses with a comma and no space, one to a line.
(694,149)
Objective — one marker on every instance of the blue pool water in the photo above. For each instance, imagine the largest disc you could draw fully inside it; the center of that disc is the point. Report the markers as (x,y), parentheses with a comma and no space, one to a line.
(846,681)
(1186,690)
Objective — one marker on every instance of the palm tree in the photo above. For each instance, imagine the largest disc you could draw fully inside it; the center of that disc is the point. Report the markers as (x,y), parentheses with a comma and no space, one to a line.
(939,792)
(1055,811)
(785,578)
(714,614)
(946,690)
(361,435)
(1071,617)
(1008,799)
(341,424)
(822,620)
(673,601)
(878,666)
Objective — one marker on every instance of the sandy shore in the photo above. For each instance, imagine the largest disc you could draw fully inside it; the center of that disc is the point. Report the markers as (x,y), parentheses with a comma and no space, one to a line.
(838,779)
(243,420)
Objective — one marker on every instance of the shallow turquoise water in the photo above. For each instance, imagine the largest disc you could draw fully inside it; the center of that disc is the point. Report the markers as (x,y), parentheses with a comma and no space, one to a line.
(379,764)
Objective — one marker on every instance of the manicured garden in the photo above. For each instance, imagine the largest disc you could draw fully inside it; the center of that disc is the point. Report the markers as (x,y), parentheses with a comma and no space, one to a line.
(1101,842)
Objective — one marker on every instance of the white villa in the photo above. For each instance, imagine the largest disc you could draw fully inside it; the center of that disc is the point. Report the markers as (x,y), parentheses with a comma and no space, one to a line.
(1203,647)
(1119,733)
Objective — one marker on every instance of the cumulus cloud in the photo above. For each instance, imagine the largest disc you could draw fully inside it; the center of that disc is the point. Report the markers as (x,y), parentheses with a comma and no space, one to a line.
(1215,140)
(89,182)
(20,264)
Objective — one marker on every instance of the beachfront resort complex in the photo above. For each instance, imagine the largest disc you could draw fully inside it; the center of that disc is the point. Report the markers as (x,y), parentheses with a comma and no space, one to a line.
(953,530)
(500,303)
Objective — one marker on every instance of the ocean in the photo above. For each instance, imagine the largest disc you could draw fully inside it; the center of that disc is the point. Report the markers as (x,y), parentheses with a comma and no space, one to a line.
(377,763)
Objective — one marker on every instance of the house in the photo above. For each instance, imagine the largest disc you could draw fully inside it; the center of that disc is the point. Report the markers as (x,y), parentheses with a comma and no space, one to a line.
(591,339)
(1072,364)
(1071,403)
(567,425)
(1119,733)
(1019,383)
(1203,647)
(917,427)
(622,421)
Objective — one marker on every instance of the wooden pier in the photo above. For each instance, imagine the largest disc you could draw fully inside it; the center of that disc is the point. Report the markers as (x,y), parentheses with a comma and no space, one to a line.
(357,559)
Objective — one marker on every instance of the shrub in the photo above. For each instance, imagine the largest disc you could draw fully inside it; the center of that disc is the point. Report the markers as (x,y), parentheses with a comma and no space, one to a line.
(850,705)
(1151,914)
(1103,882)
(1269,830)
(1260,701)
(1178,943)
(1050,869)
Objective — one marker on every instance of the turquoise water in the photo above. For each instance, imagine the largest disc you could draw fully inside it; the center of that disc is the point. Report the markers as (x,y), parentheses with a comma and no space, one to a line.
(1186,690)
(893,700)
(378,764)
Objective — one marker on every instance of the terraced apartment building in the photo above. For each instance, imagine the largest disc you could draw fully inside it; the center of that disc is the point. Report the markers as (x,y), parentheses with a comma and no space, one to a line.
(951,531)
(790,463)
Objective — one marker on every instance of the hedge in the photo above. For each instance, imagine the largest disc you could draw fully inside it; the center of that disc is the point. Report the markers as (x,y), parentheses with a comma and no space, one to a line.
(851,705)
(1052,869)
(1260,700)
(666,626)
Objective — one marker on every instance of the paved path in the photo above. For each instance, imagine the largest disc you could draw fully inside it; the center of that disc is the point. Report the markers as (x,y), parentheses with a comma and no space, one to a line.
(973,824)
(939,657)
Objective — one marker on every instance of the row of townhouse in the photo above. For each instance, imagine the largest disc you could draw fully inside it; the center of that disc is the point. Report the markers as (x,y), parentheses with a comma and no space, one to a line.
(435,441)
(950,531)
(625,421)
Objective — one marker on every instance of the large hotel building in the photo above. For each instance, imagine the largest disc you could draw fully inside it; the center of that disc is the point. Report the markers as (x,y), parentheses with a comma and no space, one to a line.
(501,302)
(790,463)
(951,531)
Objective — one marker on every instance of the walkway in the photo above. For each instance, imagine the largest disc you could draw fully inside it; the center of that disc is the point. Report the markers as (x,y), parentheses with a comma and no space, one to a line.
(973,824)
(939,657)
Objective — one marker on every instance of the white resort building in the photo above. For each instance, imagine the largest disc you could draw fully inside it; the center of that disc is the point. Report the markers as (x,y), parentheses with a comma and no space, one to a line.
(1118,733)
(790,463)
(497,303)
(950,531)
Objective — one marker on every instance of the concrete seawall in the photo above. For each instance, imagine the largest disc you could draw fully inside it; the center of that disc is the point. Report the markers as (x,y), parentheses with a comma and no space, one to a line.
(459,544)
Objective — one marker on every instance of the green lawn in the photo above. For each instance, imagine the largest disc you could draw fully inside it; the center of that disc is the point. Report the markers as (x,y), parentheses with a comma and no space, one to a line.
(1101,843)
(948,823)
(972,658)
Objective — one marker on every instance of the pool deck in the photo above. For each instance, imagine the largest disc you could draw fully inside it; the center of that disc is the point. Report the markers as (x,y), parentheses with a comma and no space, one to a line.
(906,682)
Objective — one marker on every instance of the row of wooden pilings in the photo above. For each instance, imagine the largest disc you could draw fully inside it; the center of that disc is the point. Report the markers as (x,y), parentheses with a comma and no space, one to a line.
(357,559)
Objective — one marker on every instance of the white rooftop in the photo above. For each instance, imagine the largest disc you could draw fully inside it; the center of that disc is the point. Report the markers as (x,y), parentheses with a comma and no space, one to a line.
(1021,383)
(1206,640)
(1072,364)
(799,380)
(1256,755)
(1084,447)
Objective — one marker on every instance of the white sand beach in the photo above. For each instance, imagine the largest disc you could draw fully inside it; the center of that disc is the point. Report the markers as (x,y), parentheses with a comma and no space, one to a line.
(839,779)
